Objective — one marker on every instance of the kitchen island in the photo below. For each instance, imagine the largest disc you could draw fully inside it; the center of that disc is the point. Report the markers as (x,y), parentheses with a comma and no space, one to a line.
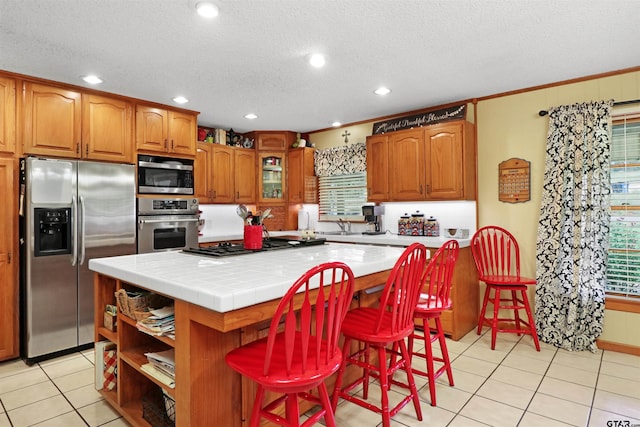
(220,304)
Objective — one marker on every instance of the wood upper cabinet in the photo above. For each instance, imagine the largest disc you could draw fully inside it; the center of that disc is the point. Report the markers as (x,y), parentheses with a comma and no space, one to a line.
(378,168)
(64,123)
(450,162)
(165,131)
(436,162)
(272,140)
(52,121)
(203,171)
(8,258)
(271,177)
(245,175)
(7,115)
(107,129)
(406,165)
(225,174)
(301,178)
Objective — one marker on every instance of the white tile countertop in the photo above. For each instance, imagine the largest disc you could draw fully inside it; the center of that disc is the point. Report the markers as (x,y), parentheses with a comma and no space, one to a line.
(224,284)
(378,239)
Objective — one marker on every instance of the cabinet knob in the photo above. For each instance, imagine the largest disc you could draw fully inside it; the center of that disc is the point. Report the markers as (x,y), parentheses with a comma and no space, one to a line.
(77,147)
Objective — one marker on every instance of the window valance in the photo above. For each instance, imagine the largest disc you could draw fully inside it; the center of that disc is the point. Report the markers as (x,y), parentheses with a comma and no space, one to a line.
(344,160)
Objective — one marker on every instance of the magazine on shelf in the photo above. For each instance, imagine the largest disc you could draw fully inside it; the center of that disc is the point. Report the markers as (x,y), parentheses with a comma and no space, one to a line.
(161,322)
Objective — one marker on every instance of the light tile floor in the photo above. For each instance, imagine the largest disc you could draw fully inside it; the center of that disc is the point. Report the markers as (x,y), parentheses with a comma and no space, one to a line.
(512,385)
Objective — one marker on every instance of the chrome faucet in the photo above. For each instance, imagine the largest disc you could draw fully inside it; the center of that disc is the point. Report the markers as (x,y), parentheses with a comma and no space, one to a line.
(344,226)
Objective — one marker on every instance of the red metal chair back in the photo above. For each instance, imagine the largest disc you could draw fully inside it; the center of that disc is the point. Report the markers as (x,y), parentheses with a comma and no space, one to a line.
(437,277)
(496,253)
(401,291)
(315,327)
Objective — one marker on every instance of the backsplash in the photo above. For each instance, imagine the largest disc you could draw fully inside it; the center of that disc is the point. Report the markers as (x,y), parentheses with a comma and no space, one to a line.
(223,220)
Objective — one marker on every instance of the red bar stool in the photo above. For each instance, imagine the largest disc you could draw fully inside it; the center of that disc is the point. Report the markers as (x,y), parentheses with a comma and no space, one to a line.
(434,299)
(379,329)
(497,257)
(300,357)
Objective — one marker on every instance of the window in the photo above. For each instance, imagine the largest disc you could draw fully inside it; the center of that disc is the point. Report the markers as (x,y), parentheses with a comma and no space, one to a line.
(342,196)
(623,269)
(342,181)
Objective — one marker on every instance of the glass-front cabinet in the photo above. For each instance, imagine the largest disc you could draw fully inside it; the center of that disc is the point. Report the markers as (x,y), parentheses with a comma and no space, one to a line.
(272,177)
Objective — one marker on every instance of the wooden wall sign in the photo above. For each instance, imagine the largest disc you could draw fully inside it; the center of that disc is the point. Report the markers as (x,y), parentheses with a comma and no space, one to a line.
(514,181)
(417,120)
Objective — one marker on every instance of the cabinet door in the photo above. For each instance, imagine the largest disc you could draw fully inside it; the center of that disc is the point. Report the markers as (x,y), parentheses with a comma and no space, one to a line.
(7,115)
(295,175)
(245,175)
(378,168)
(271,177)
(182,133)
(52,121)
(406,165)
(443,158)
(203,173)
(222,185)
(151,129)
(273,140)
(107,129)
(8,283)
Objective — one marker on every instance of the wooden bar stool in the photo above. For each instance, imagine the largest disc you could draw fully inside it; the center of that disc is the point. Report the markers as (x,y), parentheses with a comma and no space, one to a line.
(497,257)
(380,330)
(300,357)
(433,300)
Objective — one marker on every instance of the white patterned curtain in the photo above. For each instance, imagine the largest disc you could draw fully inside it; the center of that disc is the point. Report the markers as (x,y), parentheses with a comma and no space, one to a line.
(344,160)
(573,230)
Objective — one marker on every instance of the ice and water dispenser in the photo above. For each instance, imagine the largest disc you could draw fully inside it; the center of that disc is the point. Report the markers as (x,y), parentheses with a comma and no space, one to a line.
(52,231)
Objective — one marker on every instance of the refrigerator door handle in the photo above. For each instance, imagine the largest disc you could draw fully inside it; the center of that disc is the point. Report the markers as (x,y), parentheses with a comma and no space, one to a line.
(83,228)
(74,237)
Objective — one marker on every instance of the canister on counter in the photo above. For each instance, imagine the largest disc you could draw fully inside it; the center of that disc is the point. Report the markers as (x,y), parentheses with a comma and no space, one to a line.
(403,225)
(417,224)
(431,227)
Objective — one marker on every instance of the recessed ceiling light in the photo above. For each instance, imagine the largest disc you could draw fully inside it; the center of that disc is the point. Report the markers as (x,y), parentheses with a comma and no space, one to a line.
(207,10)
(336,124)
(180,100)
(382,91)
(91,79)
(251,116)
(317,60)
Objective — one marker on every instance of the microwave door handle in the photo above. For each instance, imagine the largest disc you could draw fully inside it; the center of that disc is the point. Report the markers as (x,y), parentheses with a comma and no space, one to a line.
(74,237)
(157,221)
(83,229)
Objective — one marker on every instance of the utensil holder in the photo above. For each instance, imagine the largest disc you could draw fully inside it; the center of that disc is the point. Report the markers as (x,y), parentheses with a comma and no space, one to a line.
(253,236)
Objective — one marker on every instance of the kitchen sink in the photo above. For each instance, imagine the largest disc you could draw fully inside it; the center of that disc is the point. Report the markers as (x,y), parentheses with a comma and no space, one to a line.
(338,233)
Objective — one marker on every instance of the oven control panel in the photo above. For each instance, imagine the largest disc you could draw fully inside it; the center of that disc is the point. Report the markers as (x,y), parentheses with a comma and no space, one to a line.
(175,206)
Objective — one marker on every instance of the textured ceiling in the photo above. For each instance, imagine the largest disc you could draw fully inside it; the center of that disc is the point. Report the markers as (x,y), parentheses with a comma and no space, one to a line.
(251,58)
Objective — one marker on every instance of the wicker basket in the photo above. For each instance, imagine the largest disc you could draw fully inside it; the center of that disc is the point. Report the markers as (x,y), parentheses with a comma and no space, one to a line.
(137,307)
(158,409)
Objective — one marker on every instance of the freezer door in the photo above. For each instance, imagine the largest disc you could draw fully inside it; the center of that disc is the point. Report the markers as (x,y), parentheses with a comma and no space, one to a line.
(106,227)
(50,285)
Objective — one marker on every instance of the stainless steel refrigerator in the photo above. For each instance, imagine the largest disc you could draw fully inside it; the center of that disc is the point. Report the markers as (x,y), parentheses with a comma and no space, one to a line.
(70,211)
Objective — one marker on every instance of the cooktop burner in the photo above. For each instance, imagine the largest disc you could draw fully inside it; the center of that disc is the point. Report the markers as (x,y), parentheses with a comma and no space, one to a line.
(270,244)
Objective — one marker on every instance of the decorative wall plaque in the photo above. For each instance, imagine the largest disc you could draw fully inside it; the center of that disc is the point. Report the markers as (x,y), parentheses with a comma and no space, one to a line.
(514,181)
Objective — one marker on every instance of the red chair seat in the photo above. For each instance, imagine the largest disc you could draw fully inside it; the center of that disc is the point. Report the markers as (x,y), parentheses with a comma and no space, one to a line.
(360,322)
(250,362)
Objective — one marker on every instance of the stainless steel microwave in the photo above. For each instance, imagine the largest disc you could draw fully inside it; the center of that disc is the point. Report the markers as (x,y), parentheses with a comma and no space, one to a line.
(165,175)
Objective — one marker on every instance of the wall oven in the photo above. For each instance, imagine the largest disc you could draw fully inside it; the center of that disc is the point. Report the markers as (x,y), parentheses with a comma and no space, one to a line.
(167,224)
(165,175)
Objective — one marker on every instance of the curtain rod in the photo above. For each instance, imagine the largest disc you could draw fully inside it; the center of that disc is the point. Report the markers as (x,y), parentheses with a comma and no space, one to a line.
(543,113)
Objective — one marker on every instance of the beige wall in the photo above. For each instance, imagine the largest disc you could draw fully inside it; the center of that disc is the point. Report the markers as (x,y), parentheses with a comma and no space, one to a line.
(510,126)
